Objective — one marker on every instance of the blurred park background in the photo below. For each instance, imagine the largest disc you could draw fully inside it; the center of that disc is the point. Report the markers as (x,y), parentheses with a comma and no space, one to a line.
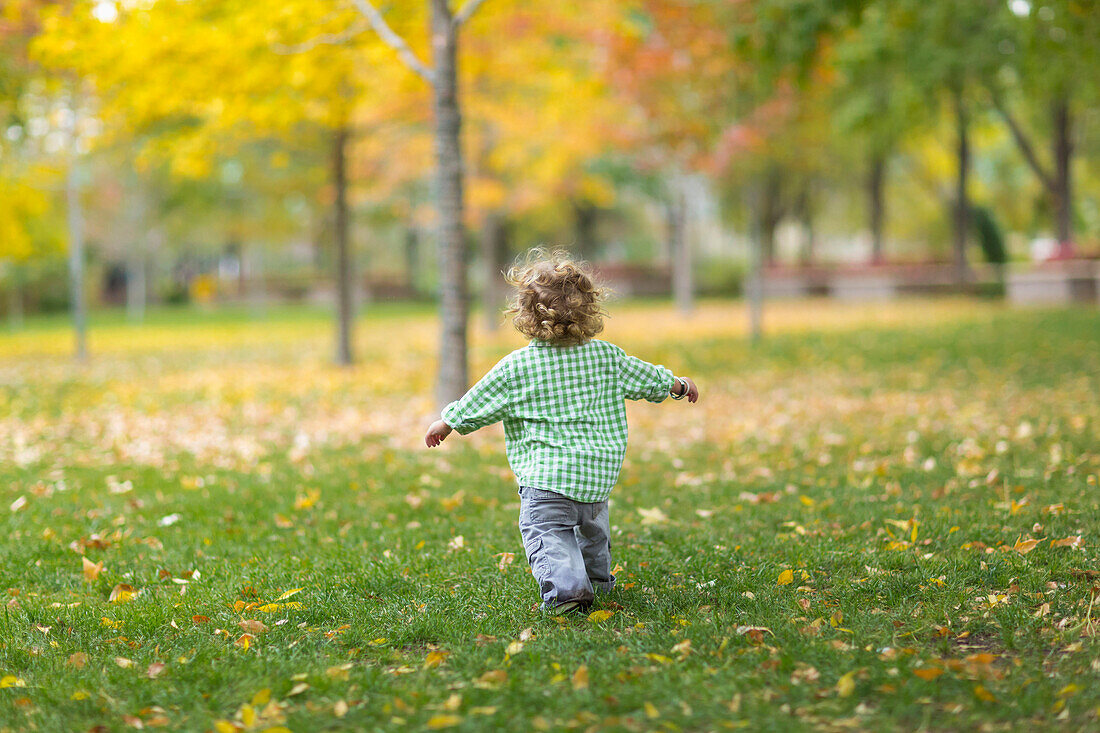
(838,216)
(338,153)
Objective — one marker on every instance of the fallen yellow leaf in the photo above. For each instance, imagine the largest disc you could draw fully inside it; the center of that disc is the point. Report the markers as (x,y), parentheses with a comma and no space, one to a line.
(121,593)
(77,660)
(928,673)
(262,697)
(785,578)
(91,569)
(340,709)
(846,685)
(1025,546)
(597,616)
(580,677)
(11,680)
(244,641)
(434,659)
(289,593)
(983,694)
(437,722)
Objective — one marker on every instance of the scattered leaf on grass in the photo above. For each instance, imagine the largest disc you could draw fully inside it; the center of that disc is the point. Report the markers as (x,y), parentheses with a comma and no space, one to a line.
(437,722)
(983,694)
(261,698)
(580,677)
(514,648)
(846,685)
(928,673)
(289,593)
(506,559)
(434,659)
(653,516)
(253,627)
(244,641)
(1067,542)
(298,689)
(121,593)
(598,616)
(124,662)
(77,660)
(527,634)
(79,695)
(785,578)
(339,672)
(11,680)
(199,620)
(1025,546)
(91,569)
(154,670)
(651,710)
(340,709)
(492,678)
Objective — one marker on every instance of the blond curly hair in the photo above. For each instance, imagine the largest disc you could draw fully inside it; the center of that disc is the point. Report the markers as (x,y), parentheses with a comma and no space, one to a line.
(556,299)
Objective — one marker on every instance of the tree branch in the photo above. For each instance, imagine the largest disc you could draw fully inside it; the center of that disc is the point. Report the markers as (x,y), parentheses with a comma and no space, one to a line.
(325,39)
(394,41)
(467,11)
(1023,143)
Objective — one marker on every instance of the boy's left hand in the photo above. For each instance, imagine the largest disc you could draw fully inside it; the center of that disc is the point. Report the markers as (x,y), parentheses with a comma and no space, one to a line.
(437,433)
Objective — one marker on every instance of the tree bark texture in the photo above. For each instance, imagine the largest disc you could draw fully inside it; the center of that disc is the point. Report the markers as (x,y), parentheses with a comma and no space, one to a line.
(679,249)
(342,260)
(962,200)
(1062,194)
(876,183)
(452,378)
(75,221)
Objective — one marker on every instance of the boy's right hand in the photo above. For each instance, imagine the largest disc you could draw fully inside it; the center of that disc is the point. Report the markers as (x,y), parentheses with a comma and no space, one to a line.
(437,432)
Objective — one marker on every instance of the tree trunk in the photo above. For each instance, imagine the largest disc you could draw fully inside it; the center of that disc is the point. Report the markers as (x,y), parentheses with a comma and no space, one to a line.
(1063,177)
(584,220)
(770,212)
(135,253)
(15,300)
(412,258)
(494,253)
(876,180)
(754,282)
(452,380)
(343,273)
(962,201)
(75,221)
(809,232)
(679,250)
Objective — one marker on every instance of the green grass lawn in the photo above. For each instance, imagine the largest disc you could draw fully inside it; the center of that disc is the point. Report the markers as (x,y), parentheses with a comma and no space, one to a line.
(888,521)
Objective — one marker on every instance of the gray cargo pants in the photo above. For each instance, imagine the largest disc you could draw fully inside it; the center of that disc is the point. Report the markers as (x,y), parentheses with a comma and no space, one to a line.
(568,544)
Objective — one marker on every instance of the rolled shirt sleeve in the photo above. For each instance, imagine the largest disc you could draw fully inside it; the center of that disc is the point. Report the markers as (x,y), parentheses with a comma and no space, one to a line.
(641,380)
(484,404)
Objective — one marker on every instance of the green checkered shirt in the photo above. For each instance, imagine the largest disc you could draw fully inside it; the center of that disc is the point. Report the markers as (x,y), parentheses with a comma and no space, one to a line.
(563,412)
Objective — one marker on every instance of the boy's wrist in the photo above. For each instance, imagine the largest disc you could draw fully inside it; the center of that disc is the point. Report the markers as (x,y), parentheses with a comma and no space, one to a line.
(679,388)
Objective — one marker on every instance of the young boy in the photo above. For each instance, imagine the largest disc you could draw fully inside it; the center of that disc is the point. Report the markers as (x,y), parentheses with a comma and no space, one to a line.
(561,400)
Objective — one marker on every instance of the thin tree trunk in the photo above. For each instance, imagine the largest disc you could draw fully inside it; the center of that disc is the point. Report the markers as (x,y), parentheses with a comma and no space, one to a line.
(771,213)
(135,253)
(875,184)
(494,252)
(76,257)
(806,212)
(962,201)
(453,300)
(584,220)
(754,283)
(412,257)
(679,249)
(344,295)
(1063,178)
(15,300)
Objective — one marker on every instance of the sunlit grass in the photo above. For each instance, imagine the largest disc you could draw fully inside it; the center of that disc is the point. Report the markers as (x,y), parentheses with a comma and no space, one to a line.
(893,461)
